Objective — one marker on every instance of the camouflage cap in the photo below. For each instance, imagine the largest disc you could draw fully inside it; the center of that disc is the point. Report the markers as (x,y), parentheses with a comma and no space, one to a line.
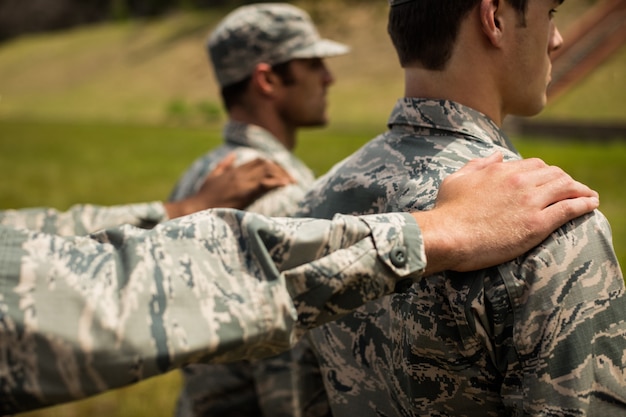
(266,32)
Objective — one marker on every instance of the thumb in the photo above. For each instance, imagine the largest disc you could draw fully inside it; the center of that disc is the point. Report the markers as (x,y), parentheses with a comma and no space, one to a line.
(224,165)
(480,163)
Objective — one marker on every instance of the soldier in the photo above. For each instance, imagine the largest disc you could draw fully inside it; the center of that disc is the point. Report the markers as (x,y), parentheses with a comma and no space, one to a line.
(81,315)
(268,60)
(226,186)
(544,334)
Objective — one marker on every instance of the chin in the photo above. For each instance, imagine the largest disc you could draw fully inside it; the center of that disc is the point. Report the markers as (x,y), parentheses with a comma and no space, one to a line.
(321,122)
(531,108)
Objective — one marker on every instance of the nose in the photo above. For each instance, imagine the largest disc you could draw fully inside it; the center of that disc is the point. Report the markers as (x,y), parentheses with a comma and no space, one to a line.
(327,75)
(329,78)
(556,40)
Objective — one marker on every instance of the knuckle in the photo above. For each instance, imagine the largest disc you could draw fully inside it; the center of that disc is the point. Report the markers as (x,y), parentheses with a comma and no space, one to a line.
(536,162)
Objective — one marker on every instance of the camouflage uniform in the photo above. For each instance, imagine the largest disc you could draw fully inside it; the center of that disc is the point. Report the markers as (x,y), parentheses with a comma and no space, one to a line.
(244,388)
(248,142)
(83,219)
(542,335)
(81,315)
(272,34)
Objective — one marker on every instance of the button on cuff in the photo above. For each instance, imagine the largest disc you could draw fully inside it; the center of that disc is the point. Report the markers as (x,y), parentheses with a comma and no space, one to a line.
(398,257)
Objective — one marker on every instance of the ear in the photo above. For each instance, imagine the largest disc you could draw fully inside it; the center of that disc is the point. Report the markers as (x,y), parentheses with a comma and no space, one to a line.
(263,79)
(491,21)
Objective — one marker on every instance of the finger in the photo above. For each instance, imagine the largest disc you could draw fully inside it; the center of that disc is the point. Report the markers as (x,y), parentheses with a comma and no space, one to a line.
(263,167)
(547,175)
(224,165)
(527,164)
(532,168)
(563,211)
(557,190)
(278,172)
(537,177)
(480,163)
(269,183)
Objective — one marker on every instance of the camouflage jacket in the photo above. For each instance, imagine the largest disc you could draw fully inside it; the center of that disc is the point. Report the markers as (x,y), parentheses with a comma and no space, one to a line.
(544,334)
(249,142)
(81,315)
(80,220)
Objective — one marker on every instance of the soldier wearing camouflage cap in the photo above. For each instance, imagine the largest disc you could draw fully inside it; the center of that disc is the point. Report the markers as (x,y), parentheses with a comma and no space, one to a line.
(268,60)
(273,33)
(542,335)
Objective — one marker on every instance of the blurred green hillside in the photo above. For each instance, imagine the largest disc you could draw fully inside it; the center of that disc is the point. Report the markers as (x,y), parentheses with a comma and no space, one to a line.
(156,71)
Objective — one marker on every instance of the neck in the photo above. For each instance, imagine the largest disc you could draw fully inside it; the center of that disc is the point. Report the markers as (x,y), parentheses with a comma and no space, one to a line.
(470,76)
(269,121)
(472,92)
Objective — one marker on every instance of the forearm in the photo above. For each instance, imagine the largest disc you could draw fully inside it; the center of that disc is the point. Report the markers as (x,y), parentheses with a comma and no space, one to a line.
(81,316)
(362,259)
(83,219)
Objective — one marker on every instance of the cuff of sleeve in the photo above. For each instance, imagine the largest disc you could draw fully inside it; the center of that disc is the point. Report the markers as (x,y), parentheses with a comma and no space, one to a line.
(156,212)
(399,244)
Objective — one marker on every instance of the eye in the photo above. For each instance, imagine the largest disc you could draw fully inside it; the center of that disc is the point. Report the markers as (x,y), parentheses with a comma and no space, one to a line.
(552,13)
(316,63)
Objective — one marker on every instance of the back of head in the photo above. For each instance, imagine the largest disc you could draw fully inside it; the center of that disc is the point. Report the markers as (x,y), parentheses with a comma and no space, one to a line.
(424,31)
(272,33)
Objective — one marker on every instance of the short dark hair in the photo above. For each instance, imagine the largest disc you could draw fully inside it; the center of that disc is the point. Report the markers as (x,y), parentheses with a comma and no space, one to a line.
(425,31)
(232,94)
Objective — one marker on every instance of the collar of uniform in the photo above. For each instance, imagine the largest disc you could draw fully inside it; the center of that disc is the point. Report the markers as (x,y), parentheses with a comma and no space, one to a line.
(252,136)
(450,116)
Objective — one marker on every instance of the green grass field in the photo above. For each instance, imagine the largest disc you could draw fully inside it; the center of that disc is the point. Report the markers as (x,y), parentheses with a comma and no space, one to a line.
(112,114)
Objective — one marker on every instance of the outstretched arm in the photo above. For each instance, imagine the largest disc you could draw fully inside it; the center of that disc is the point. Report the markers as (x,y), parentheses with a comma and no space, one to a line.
(81,315)
(226,186)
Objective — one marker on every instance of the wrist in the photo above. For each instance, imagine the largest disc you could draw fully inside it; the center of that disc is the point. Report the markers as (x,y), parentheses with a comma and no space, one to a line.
(172,210)
(181,208)
(443,249)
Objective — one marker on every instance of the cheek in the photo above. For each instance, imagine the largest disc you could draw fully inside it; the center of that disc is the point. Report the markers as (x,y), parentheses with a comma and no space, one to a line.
(312,95)
(536,64)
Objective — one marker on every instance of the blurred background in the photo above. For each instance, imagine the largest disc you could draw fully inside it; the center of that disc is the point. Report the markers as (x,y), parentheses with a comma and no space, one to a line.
(108,101)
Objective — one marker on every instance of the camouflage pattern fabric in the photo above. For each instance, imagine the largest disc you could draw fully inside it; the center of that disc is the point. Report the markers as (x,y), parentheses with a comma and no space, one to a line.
(80,220)
(249,142)
(542,335)
(272,33)
(81,315)
(263,387)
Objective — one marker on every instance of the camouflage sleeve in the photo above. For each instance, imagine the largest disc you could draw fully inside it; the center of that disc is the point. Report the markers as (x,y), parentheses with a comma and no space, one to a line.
(81,315)
(80,220)
(280,202)
(569,301)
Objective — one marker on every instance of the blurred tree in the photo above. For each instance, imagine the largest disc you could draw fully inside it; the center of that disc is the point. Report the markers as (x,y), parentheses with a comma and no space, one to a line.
(23,16)
(141,8)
